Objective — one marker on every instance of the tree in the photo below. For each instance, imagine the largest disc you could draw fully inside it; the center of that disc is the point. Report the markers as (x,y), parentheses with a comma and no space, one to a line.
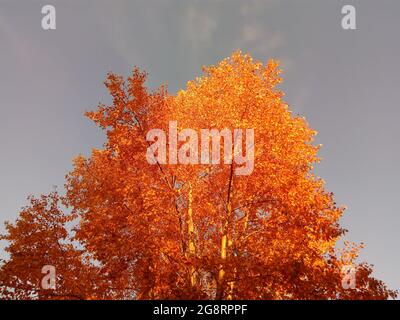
(170,231)
(39,238)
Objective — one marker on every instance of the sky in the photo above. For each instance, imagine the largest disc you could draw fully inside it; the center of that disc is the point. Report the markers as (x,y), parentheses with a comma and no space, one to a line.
(345,82)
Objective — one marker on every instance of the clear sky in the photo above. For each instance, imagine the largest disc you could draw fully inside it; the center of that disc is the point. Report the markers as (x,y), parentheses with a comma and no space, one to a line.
(345,82)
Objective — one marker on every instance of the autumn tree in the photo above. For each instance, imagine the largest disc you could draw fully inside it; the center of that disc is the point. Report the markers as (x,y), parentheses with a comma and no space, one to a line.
(165,230)
(40,238)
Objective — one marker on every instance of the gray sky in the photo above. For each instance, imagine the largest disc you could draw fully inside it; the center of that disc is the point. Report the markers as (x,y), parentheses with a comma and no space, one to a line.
(345,82)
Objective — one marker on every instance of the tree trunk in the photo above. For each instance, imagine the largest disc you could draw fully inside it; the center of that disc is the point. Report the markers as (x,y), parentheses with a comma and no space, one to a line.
(191,238)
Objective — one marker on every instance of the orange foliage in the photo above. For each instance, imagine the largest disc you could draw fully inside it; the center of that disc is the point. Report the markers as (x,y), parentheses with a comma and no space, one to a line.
(190,231)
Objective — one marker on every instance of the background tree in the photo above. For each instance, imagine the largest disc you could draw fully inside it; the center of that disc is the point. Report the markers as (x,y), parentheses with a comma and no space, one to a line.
(166,231)
(40,238)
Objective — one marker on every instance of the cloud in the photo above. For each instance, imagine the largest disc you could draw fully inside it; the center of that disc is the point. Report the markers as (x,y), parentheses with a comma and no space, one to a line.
(199,25)
(261,40)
